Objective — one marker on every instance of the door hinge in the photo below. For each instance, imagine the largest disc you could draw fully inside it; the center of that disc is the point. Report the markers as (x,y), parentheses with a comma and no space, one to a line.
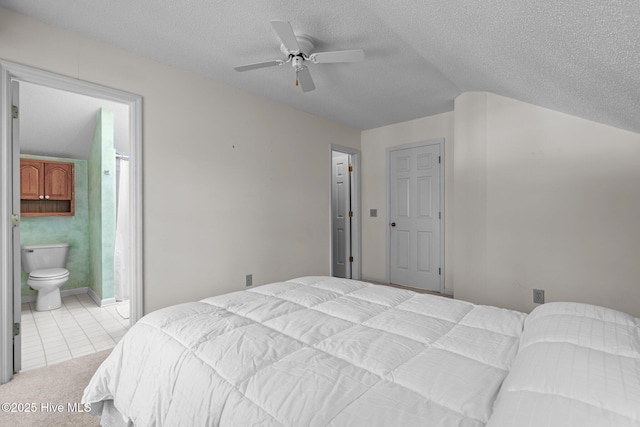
(350,259)
(350,168)
(439,159)
(14,111)
(350,214)
(439,215)
(15,220)
(16,329)
(439,271)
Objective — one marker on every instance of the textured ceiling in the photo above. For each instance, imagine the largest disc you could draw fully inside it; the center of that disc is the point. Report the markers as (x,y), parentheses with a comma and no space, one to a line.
(578,57)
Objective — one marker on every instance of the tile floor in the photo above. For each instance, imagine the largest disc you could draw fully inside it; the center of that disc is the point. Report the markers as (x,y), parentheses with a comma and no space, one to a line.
(76,329)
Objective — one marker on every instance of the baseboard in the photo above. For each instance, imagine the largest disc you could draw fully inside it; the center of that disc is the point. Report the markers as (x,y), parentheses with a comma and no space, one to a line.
(99,301)
(28,298)
(63,293)
(374,280)
(447,291)
(77,291)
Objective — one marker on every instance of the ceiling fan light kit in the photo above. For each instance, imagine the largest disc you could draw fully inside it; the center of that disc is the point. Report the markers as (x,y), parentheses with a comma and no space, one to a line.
(298,49)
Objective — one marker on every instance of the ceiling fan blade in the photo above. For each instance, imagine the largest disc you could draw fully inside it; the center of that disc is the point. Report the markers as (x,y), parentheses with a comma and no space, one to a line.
(337,56)
(304,78)
(287,36)
(258,65)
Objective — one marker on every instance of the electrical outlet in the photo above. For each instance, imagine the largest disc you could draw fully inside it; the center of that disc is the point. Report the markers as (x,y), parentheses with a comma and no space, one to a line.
(249,280)
(538,296)
(373,213)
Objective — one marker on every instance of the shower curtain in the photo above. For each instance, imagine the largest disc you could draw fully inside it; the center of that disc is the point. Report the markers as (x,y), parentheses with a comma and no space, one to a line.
(121,256)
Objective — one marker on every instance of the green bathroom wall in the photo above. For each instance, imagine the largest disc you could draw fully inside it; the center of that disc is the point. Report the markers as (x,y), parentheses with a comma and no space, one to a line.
(57,229)
(101,168)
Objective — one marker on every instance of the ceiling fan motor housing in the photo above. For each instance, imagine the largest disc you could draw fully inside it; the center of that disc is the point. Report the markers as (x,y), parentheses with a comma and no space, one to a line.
(305,43)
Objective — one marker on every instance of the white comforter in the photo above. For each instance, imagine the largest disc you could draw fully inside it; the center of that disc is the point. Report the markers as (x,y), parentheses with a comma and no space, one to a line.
(313,351)
(578,366)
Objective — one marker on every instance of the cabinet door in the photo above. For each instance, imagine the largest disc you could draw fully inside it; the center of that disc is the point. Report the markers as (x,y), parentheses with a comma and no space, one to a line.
(58,179)
(31,179)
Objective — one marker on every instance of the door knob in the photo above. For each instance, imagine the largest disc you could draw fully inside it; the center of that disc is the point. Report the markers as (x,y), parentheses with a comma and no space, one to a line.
(393,224)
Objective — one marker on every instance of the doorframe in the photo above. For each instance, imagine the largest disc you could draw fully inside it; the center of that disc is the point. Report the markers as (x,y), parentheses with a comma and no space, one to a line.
(440,143)
(9,72)
(354,156)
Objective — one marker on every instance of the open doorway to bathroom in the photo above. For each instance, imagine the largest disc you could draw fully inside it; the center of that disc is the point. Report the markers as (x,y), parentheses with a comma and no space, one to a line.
(97,131)
(92,136)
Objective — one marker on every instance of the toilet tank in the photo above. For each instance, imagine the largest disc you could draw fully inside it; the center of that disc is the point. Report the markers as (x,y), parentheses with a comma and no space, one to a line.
(37,257)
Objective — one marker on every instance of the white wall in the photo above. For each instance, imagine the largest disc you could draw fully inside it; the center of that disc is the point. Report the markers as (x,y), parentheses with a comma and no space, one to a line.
(544,200)
(230,187)
(374,188)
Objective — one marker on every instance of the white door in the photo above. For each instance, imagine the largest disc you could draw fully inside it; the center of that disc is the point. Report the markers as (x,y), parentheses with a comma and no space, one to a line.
(17,291)
(414,214)
(340,215)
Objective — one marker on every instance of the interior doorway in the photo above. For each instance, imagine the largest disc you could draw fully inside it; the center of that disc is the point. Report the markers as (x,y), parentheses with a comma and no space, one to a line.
(415,236)
(345,213)
(12,75)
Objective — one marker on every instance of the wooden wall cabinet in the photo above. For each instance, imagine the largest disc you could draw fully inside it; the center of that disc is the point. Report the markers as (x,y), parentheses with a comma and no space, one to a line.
(46,188)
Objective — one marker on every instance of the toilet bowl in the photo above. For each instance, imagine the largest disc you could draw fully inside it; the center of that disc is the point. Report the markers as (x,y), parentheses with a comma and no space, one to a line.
(45,265)
(48,283)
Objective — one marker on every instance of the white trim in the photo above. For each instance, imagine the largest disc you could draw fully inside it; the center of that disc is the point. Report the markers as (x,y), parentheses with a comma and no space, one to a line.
(356,235)
(135,211)
(100,302)
(74,291)
(63,293)
(440,142)
(373,279)
(6,231)
(11,71)
(94,296)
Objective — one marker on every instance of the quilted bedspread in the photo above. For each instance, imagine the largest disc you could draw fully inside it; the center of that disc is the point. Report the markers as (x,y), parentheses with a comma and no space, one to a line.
(313,351)
(578,366)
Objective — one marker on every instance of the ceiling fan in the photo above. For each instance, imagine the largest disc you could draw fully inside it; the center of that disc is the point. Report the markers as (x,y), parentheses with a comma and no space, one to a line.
(299,49)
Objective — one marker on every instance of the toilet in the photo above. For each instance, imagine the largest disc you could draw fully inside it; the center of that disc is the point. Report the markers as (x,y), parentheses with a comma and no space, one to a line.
(47,273)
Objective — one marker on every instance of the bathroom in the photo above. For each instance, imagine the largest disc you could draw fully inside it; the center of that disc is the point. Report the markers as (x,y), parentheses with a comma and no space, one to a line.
(93,312)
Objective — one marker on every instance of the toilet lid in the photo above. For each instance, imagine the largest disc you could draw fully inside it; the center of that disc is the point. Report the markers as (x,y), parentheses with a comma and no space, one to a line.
(48,273)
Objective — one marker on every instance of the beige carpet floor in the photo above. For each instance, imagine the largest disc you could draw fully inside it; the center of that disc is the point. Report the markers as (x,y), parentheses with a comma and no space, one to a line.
(48,388)
(420,291)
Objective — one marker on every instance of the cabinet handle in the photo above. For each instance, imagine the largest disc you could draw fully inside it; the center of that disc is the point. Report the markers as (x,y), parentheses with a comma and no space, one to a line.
(46,197)
(41,197)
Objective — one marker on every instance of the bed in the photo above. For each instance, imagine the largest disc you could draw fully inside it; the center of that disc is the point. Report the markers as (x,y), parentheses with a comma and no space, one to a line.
(577,365)
(317,351)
